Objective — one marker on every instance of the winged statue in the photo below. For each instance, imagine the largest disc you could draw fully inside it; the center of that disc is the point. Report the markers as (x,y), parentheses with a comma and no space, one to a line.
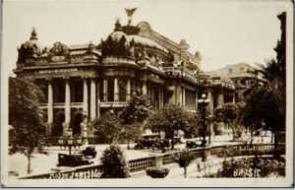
(130,12)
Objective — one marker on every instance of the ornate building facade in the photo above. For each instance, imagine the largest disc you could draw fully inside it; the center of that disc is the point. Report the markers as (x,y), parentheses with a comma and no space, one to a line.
(87,80)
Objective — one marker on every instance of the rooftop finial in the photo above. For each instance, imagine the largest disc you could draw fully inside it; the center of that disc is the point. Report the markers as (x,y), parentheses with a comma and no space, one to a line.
(33,34)
(129,13)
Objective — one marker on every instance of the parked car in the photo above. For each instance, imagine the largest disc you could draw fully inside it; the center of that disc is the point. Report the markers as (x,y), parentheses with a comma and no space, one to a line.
(193,144)
(72,160)
(89,151)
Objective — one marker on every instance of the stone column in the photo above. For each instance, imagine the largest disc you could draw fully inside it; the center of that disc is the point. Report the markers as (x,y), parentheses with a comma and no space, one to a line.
(234,98)
(159,161)
(212,134)
(220,101)
(98,99)
(161,97)
(85,97)
(144,88)
(128,89)
(178,100)
(211,112)
(105,90)
(196,99)
(67,106)
(172,99)
(50,107)
(211,102)
(183,96)
(83,124)
(92,99)
(116,90)
(84,130)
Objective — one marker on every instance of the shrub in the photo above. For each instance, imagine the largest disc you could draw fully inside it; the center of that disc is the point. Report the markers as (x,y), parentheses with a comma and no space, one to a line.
(184,159)
(114,164)
(155,172)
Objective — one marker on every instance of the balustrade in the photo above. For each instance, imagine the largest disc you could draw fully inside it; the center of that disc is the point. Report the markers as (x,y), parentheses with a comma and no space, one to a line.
(94,171)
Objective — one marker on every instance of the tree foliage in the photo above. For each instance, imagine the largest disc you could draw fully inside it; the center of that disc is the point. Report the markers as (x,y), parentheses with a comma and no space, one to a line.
(136,111)
(261,110)
(184,159)
(113,163)
(132,118)
(267,104)
(156,172)
(229,114)
(107,128)
(25,117)
(170,119)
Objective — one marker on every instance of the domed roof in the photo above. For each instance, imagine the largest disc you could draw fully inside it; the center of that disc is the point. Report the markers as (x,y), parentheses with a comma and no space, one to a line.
(146,42)
(118,35)
(33,41)
(144,26)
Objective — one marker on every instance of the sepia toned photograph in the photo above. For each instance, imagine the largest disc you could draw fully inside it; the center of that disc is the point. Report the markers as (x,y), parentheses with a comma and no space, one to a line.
(179,93)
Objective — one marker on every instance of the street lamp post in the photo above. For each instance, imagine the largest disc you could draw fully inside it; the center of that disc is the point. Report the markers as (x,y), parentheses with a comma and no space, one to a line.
(202,103)
(70,141)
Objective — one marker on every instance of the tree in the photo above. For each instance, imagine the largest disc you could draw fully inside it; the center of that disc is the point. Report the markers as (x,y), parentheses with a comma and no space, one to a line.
(25,117)
(136,111)
(107,128)
(256,112)
(113,163)
(267,104)
(170,120)
(228,114)
(132,117)
(131,133)
(184,159)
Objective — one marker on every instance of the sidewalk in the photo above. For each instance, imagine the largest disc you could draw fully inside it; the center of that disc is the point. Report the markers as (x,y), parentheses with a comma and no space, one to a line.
(42,163)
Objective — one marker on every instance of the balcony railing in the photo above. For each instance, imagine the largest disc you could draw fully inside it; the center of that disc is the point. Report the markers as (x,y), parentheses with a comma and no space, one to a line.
(118,60)
(113,104)
(62,105)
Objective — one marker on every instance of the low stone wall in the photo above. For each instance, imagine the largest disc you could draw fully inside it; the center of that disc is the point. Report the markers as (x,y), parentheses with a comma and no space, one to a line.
(94,171)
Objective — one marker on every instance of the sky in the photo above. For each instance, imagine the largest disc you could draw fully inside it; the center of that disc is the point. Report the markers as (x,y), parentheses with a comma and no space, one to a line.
(224,32)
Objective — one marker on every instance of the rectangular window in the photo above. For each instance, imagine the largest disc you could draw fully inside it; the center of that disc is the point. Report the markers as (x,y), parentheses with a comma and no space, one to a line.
(76,90)
(59,90)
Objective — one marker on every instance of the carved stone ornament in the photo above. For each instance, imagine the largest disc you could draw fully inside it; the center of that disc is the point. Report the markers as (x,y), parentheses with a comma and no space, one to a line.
(91,47)
(59,49)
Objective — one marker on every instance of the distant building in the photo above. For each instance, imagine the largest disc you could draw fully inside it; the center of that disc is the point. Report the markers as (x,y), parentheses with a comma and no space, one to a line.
(90,79)
(242,75)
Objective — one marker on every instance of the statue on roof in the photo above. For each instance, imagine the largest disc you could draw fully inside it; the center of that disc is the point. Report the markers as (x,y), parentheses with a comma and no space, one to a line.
(59,49)
(130,12)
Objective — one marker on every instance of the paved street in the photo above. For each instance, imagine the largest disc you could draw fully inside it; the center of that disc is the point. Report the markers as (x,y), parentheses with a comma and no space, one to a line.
(18,162)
